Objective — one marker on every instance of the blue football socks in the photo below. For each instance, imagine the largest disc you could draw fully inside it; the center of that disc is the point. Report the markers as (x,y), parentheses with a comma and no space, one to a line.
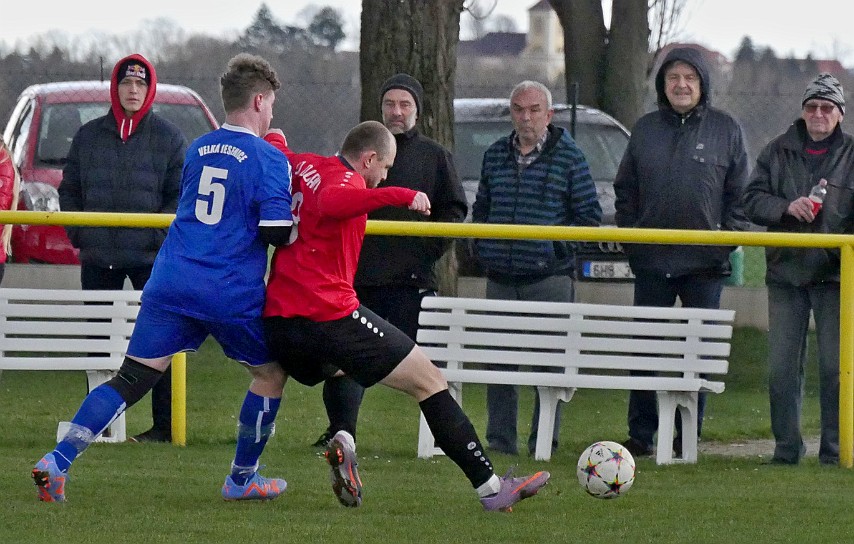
(99,409)
(256,426)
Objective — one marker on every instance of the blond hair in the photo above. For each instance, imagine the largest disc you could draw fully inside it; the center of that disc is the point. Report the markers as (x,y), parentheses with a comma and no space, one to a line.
(6,230)
(247,75)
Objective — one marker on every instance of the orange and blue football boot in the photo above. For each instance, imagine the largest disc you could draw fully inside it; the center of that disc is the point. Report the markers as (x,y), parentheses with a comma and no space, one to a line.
(344,471)
(50,481)
(256,488)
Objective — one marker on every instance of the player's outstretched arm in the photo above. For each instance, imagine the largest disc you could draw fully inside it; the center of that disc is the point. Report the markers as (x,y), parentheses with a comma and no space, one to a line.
(345,201)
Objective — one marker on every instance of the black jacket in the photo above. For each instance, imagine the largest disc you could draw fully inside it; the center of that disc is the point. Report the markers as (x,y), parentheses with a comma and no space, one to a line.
(104,174)
(423,165)
(782,175)
(682,172)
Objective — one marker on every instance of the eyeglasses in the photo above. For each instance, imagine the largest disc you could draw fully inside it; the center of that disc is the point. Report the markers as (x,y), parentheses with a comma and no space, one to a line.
(825,108)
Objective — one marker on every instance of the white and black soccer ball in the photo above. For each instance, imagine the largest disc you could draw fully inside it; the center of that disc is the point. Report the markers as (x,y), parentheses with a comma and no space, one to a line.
(606,470)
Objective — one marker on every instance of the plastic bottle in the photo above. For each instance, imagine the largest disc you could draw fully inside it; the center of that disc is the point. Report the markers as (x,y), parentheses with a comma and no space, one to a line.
(817,194)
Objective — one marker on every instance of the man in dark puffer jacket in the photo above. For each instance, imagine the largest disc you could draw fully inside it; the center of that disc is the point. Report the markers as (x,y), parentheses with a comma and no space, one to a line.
(685,168)
(129,160)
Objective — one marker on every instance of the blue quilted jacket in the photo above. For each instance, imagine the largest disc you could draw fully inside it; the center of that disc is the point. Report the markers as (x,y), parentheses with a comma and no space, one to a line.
(556,189)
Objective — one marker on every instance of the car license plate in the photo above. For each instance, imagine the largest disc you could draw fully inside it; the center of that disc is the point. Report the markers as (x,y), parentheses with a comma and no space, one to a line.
(607,270)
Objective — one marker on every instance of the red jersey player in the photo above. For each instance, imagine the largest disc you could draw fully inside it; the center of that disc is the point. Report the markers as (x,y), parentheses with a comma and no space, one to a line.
(331,200)
(316,328)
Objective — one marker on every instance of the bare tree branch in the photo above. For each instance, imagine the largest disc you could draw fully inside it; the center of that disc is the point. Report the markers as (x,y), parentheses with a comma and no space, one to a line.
(666,22)
(478,12)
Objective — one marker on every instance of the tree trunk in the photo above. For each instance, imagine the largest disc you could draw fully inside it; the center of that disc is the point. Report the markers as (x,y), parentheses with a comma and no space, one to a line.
(584,38)
(418,37)
(626,60)
(609,66)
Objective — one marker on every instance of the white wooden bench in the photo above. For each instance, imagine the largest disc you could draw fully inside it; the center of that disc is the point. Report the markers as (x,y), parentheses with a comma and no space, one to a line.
(588,346)
(52,329)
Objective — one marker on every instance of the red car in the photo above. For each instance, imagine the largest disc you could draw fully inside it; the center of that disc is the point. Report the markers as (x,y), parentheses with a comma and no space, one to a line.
(39,133)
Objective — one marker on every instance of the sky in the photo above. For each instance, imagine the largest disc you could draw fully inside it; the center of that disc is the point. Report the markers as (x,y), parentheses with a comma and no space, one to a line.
(788,27)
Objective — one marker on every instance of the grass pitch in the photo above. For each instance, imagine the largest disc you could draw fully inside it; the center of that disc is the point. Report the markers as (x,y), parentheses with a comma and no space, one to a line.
(161,493)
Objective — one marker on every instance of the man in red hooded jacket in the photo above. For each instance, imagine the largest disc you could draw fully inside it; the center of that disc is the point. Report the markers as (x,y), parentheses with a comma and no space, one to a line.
(127,161)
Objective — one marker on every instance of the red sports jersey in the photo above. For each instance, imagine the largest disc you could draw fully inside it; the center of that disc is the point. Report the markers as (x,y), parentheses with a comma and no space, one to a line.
(313,276)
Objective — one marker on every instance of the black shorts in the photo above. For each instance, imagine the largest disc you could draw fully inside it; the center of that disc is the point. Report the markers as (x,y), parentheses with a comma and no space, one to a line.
(363,345)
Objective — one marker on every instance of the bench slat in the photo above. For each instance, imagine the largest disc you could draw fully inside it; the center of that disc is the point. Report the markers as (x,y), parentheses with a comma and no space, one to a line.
(581,363)
(534,342)
(62,363)
(575,323)
(47,329)
(65,345)
(591,362)
(67,295)
(581,381)
(502,357)
(59,312)
(602,310)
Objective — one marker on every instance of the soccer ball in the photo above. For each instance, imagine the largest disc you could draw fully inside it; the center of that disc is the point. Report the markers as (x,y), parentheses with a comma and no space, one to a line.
(606,470)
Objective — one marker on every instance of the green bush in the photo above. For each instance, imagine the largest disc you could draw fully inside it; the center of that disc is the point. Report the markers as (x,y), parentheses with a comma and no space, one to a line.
(754,266)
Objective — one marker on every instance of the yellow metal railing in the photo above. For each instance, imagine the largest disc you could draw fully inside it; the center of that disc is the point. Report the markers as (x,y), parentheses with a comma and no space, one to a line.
(179,399)
(587,234)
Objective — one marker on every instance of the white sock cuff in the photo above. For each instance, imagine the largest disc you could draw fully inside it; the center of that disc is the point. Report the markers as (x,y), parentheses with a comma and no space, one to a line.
(244,470)
(489,487)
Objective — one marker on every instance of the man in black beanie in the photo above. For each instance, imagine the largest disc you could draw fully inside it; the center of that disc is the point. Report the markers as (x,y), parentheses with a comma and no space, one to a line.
(407,83)
(800,281)
(396,272)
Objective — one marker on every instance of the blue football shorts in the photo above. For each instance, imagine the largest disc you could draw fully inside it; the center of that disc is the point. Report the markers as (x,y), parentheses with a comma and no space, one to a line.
(160,332)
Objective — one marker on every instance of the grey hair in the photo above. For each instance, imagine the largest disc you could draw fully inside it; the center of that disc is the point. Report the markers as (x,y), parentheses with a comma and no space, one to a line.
(532,85)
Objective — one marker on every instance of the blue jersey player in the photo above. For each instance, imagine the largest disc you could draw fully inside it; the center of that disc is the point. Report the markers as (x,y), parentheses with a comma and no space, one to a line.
(208,279)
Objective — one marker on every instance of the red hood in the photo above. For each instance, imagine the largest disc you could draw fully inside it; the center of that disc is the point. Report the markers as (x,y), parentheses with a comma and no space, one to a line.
(127,125)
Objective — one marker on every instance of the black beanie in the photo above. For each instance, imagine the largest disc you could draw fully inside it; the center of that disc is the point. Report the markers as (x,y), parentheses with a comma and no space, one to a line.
(407,83)
(133,68)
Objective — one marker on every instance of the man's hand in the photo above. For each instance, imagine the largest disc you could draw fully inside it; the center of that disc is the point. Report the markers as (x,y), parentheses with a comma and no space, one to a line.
(801,209)
(420,204)
(279,132)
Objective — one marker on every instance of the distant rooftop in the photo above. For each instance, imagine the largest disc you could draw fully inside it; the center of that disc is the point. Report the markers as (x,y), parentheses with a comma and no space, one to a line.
(494,44)
(832,66)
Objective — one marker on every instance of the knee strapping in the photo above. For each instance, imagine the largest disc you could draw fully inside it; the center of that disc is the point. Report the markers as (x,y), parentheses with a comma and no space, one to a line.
(134,380)
(256,433)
